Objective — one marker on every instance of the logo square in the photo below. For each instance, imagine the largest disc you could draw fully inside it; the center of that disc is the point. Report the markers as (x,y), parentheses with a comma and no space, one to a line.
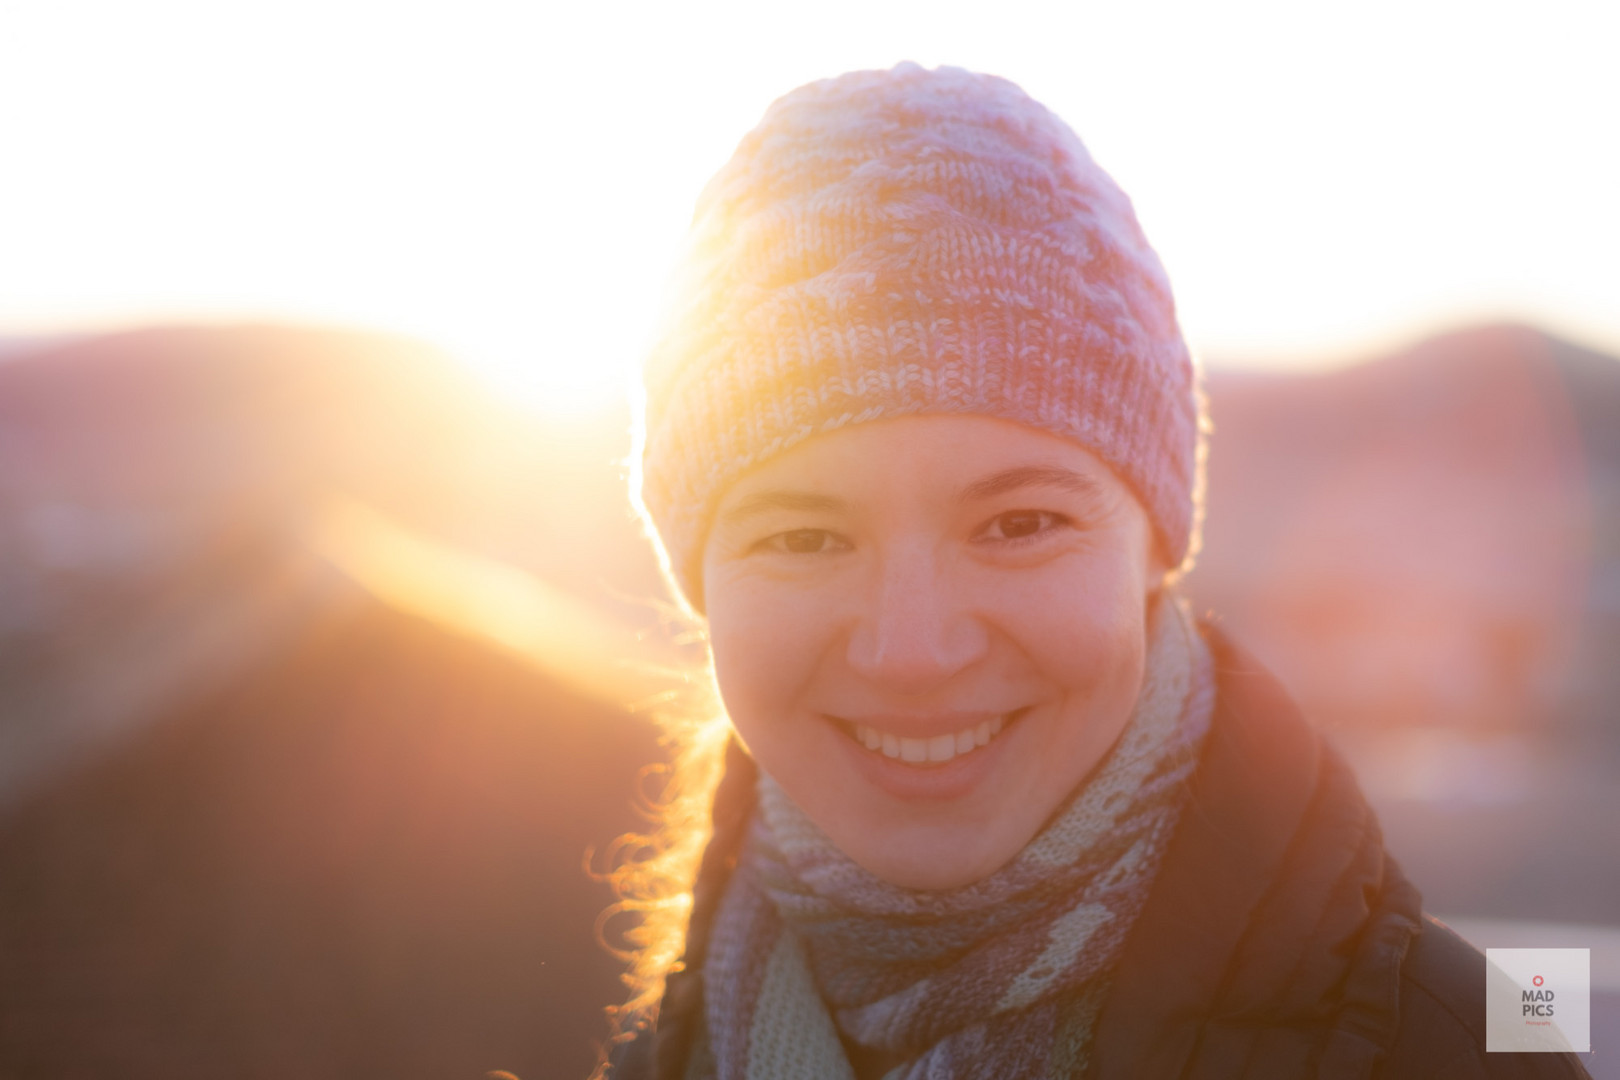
(1538,1000)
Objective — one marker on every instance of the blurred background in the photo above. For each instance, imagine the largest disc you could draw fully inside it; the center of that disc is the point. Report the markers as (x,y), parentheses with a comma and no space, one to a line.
(327,637)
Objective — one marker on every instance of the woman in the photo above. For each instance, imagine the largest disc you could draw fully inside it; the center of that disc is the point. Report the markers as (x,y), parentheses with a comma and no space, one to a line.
(921,446)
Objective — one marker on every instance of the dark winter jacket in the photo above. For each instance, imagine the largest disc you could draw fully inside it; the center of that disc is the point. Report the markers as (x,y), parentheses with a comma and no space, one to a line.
(1279,938)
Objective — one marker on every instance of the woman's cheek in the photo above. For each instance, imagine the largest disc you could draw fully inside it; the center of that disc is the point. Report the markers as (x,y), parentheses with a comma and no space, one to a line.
(1080,612)
(763,639)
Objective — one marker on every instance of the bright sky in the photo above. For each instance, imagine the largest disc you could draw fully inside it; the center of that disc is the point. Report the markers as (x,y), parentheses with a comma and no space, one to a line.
(511,180)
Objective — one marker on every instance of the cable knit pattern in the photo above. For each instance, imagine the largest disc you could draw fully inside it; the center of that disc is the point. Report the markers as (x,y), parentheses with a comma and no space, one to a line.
(911,241)
(999,978)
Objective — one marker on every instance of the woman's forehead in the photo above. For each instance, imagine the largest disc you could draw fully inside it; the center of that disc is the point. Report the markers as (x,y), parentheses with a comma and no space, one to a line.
(965,454)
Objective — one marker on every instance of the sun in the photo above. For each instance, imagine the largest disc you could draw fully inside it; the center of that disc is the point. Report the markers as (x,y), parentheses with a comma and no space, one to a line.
(538,376)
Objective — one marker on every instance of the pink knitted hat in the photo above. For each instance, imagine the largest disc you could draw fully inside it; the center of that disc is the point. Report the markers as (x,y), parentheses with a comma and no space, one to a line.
(889,243)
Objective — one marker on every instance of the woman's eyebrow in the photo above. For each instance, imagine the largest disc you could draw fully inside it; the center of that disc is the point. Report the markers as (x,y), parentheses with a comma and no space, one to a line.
(761,501)
(1030,476)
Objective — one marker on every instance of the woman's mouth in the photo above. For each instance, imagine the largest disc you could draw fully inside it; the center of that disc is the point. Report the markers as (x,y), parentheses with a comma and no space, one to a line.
(933,749)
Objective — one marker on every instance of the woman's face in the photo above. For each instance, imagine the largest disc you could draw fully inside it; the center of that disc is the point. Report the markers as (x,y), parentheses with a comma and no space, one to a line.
(928,630)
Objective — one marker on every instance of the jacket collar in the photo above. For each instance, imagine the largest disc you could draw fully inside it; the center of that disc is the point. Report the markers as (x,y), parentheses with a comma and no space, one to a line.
(1271,941)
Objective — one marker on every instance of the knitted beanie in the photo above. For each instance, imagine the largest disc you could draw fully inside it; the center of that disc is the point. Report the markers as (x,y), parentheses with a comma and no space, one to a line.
(891,243)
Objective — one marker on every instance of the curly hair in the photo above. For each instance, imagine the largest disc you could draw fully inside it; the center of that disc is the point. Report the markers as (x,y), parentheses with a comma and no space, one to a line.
(652,873)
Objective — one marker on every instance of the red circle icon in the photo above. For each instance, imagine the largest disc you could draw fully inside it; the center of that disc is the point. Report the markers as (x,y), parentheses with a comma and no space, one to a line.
(1536,980)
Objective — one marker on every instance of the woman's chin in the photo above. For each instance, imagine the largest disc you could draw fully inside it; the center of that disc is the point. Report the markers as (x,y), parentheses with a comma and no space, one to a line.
(926,826)
(929,864)
(926,856)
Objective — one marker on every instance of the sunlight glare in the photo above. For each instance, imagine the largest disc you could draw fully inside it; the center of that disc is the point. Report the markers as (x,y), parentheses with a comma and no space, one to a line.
(511,181)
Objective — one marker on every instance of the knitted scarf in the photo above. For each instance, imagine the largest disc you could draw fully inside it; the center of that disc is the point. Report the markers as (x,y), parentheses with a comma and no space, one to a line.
(1002,977)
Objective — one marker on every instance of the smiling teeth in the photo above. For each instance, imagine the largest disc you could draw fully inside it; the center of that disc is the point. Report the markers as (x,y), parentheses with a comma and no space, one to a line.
(939,748)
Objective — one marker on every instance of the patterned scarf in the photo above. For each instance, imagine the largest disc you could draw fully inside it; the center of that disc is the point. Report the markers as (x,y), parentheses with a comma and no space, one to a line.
(1003,977)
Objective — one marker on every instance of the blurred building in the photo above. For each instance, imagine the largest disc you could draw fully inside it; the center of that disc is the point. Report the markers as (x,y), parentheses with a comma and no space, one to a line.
(1430,539)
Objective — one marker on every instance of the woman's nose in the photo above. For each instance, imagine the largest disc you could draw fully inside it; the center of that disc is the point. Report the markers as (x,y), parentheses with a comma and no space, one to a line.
(914,631)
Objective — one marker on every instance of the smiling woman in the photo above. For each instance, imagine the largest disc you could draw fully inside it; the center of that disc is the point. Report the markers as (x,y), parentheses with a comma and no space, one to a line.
(921,447)
(886,648)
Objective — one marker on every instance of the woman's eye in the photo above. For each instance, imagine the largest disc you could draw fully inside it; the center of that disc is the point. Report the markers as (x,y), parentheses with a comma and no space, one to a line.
(803,541)
(1018,524)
